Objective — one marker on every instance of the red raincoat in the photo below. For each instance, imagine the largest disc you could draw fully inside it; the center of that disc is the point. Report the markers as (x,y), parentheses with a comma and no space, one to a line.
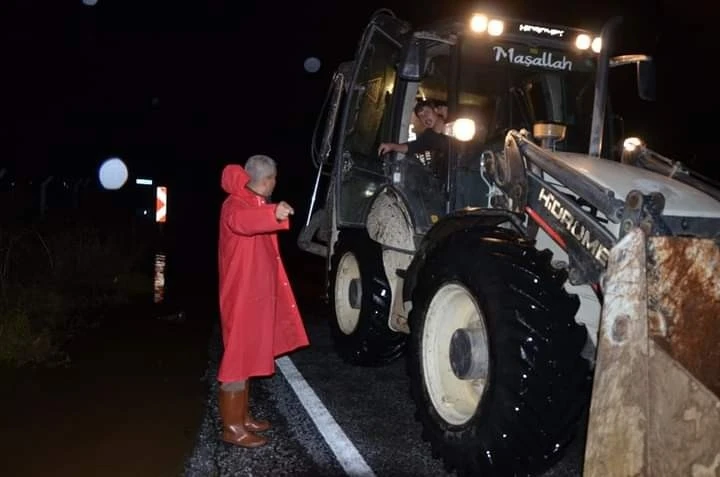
(259,316)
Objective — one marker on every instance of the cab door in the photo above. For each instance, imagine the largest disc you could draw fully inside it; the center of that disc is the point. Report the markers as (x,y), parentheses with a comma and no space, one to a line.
(358,169)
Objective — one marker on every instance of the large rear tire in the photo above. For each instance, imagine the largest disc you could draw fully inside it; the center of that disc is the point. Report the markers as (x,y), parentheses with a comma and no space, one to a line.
(360,299)
(513,408)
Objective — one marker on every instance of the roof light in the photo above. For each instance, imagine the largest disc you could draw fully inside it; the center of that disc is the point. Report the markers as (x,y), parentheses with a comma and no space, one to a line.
(583,41)
(479,23)
(495,27)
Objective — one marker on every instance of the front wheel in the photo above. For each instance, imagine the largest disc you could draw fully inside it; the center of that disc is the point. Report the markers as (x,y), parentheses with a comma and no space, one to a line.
(360,299)
(494,356)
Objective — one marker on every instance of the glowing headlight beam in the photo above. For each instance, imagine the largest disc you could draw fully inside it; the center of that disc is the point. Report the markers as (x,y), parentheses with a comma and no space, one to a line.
(583,41)
(479,23)
(463,129)
(632,143)
(495,27)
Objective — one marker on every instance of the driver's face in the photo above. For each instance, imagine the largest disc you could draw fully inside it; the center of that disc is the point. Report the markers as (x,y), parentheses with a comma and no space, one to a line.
(428,116)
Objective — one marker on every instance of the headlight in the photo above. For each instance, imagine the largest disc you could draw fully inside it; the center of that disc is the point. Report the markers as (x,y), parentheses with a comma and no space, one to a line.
(632,143)
(479,23)
(462,129)
(596,44)
(495,27)
(633,149)
(583,41)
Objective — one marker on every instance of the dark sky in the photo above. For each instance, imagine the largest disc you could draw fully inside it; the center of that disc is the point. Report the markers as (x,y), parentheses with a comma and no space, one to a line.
(185,86)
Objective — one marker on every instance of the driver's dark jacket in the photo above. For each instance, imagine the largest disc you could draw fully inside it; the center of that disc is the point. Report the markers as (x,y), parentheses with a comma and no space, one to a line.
(437,144)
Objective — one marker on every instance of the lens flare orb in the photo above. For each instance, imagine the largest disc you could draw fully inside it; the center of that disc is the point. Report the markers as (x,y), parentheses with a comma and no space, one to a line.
(312,64)
(113,173)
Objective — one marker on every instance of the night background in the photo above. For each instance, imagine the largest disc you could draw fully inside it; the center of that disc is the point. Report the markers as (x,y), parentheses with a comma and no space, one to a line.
(178,89)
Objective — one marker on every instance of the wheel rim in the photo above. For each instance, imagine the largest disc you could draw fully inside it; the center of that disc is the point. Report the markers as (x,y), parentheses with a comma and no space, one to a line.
(348,293)
(455,400)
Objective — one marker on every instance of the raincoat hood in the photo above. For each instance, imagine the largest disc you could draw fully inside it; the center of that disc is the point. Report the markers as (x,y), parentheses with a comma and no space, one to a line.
(234,179)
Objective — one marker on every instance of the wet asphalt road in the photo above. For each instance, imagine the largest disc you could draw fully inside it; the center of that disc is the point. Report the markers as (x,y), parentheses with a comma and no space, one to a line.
(371,405)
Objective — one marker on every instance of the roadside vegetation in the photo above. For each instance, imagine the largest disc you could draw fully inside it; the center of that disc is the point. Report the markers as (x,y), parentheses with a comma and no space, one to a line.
(61,275)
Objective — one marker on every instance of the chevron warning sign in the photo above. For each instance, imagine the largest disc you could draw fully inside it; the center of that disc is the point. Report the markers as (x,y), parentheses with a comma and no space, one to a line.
(161,204)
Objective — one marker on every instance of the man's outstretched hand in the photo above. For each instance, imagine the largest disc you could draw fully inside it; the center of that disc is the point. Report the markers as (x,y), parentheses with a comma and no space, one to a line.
(283,210)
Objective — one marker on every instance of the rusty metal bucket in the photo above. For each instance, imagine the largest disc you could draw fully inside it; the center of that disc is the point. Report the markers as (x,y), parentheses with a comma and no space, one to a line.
(655,408)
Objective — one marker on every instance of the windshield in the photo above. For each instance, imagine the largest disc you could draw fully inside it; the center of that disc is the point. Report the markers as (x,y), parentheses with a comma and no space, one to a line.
(511,86)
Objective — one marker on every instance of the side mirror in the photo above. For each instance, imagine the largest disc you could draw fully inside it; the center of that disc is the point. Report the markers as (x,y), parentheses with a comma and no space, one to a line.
(645,73)
(646,80)
(412,64)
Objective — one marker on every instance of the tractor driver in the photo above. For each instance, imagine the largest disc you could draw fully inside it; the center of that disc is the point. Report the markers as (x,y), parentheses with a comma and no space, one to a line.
(432,139)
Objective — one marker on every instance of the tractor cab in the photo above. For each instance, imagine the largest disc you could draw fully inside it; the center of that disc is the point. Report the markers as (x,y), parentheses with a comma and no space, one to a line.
(494,75)
(490,74)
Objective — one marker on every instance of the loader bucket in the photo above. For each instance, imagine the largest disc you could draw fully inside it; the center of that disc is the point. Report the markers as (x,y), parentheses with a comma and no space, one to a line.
(655,407)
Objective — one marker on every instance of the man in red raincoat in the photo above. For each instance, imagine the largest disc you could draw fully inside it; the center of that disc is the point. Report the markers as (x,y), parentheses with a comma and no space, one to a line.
(259,316)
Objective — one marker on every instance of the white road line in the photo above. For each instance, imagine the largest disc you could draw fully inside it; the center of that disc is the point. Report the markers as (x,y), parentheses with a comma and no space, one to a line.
(345,452)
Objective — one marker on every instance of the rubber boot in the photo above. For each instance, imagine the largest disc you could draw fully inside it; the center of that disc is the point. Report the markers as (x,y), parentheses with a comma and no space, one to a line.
(233,413)
(252,424)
